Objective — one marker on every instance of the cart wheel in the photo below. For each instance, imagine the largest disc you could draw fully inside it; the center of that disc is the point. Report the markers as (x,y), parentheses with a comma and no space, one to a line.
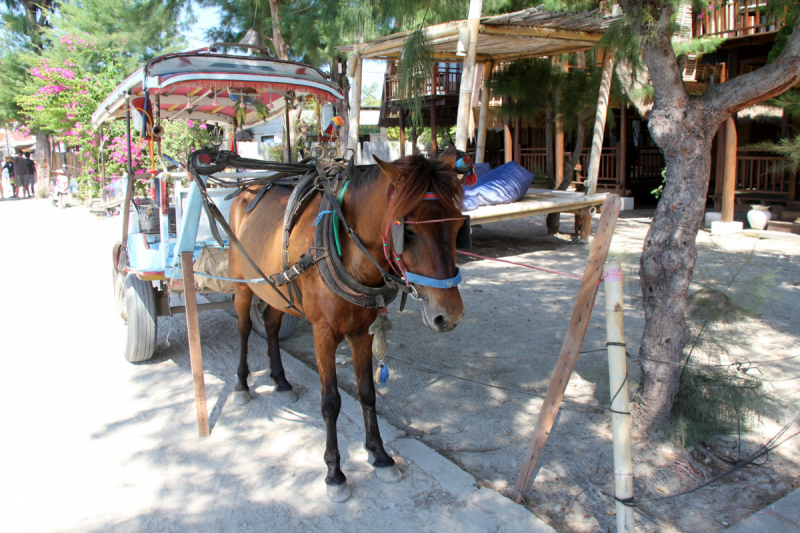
(136,304)
(288,322)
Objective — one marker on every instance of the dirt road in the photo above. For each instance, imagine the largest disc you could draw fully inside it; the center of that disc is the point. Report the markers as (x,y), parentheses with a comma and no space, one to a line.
(93,443)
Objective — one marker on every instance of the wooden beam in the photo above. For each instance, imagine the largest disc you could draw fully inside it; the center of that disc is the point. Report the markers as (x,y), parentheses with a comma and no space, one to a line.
(600,123)
(573,341)
(434,143)
(397,40)
(720,170)
(729,176)
(526,31)
(517,128)
(195,353)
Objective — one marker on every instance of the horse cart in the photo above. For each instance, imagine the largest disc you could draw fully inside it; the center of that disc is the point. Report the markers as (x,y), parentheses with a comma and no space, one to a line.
(226,92)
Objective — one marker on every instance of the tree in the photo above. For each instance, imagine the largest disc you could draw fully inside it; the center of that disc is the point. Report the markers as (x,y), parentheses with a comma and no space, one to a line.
(683,126)
(371,95)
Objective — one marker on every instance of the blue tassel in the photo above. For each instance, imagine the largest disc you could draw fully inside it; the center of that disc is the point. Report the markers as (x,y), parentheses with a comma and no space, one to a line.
(319,217)
(381,373)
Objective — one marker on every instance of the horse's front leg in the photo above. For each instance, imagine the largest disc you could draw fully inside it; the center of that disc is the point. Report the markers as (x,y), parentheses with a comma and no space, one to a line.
(272,325)
(325,343)
(385,468)
(243,299)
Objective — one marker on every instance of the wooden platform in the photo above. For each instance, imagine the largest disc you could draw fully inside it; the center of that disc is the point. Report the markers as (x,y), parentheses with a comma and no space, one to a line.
(537,202)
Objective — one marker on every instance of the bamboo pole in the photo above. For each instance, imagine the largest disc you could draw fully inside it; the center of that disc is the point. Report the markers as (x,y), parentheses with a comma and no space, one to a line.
(195,353)
(434,142)
(620,405)
(517,151)
(600,123)
(480,148)
(622,155)
(573,341)
(355,104)
(729,173)
(468,76)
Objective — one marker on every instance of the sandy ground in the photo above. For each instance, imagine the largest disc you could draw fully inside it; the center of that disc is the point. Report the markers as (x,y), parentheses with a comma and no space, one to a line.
(91,443)
(112,447)
(474,394)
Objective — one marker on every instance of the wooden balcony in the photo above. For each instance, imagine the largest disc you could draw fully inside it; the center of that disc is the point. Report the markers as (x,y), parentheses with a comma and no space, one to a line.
(760,173)
(446,81)
(736,18)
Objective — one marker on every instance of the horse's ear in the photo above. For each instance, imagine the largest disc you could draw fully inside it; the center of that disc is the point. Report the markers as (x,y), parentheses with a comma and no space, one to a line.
(448,157)
(351,167)
(391,172)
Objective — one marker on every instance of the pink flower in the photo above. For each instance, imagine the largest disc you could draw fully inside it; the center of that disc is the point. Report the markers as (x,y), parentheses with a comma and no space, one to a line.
(191,124)
(39,108)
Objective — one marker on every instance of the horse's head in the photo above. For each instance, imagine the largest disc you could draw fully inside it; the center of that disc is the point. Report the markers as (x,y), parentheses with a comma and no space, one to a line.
(423,194)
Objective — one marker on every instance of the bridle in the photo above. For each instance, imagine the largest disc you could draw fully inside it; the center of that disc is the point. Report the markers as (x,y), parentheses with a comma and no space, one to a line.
(397,230)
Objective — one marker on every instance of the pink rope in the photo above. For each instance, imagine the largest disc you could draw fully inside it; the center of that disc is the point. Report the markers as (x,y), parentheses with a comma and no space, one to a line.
(522,265)
(432,221)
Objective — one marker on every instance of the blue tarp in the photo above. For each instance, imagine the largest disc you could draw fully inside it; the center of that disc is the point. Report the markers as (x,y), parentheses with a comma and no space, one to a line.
(506,184)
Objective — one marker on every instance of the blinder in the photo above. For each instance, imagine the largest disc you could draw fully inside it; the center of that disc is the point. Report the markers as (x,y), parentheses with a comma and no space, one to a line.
(463,237)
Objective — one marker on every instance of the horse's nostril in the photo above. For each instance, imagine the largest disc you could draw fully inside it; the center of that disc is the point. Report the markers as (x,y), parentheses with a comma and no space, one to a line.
(440,322)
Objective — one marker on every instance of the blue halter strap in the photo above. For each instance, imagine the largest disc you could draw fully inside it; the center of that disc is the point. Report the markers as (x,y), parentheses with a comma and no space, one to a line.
(435,283)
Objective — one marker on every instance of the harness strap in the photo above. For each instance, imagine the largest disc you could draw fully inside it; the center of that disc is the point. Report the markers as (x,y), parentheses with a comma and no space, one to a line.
(216,214)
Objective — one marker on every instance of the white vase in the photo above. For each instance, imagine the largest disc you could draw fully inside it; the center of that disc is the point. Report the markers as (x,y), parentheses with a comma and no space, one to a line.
(758,216)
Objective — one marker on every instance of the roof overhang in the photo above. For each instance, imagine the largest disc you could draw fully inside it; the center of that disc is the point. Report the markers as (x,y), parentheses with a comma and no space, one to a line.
(531,32)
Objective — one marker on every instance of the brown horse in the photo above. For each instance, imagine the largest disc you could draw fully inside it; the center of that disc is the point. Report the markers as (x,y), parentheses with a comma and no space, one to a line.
(375,196)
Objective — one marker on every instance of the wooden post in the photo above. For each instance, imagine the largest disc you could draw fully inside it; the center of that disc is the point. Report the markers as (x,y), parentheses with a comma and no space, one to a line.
(622,153)
(355,103)
(480,148)
(720,174)
(434,143)
(559,149)
(195,353)
(573,341)
(517,151)
(620,404)
(468,76)
(600,123)
(508,143)
(122,260)
(414,150)
(729,172)
(288,132)
(402,119)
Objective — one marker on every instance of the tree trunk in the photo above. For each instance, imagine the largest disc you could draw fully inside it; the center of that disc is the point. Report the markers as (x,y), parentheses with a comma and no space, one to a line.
(42,161)
(548,139)
(683,127)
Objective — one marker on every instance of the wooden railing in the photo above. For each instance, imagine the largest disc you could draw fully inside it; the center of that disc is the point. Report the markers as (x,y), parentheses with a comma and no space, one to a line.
(447,78)
(607,175)
(646,164)
(736,18)
(759,172)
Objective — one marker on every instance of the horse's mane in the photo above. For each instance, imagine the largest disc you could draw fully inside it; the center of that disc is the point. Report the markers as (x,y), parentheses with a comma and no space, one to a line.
(420,176)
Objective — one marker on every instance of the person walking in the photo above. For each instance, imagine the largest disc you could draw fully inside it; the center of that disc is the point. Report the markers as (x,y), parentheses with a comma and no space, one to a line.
(20,175)
(8,175)
(31,173)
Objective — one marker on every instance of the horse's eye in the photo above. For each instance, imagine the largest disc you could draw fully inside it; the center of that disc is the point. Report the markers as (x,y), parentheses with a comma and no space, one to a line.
(409,233)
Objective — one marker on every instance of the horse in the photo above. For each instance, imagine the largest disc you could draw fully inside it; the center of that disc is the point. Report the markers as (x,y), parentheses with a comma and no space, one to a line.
(375,197)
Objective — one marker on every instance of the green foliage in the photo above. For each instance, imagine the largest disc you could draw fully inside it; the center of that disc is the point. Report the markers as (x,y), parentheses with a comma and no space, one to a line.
(710,395)
(143,29)
(778,6)
(718,401)
(698,47)
(790,146)
(417,69)
(658,191)
(181,137)
(371,95)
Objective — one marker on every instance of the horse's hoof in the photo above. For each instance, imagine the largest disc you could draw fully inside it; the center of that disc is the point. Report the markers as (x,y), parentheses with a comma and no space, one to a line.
(389,474)
(241,397)
(339,493)
(286,396)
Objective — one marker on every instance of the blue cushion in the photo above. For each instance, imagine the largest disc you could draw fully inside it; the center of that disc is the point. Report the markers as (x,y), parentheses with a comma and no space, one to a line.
(506,184)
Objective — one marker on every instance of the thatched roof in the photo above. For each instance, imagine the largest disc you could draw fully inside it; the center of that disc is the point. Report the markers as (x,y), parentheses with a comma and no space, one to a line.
(532,32)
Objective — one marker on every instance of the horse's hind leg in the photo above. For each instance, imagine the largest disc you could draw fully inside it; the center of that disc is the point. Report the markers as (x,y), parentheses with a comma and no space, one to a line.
(243,299)
(272,325)
(385,468)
